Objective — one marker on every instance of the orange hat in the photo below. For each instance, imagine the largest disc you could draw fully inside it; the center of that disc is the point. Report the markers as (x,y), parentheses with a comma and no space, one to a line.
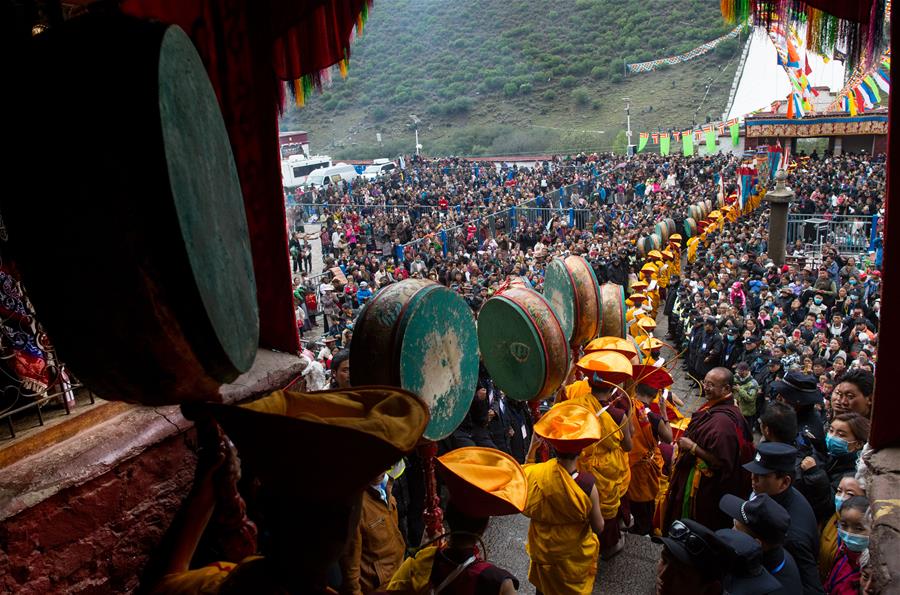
(649,267)
(646,323)
(716,215)
(608,366)
(383,422)
(651,344)
(675,237)
(654,254)
(653,376)
(637,297)
(616,344)
(667,254)
(569,427)
(638,285)
(483,481)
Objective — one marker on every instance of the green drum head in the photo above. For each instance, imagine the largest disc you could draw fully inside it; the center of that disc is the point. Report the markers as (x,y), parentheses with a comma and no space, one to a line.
(560,292)
(511,348)
(210,207)
(439,357)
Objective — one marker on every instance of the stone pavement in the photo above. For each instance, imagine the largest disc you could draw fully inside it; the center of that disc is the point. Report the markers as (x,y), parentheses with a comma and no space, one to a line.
(632,572)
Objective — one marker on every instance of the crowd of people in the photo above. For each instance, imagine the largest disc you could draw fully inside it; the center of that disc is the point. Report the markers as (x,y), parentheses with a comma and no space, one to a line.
(760,490)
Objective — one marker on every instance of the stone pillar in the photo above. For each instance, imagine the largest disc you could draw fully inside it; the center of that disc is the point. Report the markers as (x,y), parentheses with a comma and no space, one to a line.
(778,200)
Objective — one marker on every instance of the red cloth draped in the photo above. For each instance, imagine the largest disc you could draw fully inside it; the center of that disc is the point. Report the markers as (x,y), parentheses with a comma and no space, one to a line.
(246,46)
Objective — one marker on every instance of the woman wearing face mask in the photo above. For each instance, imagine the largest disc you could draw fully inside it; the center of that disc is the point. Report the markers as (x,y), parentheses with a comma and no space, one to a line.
(849,487)
(853,534)
(846,436)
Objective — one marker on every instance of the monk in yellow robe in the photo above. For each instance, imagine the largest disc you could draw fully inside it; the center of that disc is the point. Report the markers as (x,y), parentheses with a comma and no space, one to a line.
(607,460)
(645,459)
(563,505)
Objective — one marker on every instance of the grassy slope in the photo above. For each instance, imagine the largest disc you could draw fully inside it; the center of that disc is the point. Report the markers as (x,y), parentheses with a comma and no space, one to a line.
(460,67)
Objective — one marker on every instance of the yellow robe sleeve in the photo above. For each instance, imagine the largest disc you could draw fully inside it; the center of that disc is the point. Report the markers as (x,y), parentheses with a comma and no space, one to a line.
(202,581)
(414,575)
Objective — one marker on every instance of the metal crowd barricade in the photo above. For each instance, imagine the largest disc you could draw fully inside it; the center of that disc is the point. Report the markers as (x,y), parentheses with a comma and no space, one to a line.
(852,235)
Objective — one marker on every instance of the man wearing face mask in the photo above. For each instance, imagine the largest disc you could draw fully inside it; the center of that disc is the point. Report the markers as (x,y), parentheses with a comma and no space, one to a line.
(733,352)
(772,473)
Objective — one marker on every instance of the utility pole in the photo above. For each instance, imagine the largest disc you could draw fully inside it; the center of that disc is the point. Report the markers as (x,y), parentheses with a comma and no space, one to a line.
(628,151)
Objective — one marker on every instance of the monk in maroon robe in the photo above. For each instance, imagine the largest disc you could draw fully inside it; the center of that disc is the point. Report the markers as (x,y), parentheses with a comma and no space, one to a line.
(710,454)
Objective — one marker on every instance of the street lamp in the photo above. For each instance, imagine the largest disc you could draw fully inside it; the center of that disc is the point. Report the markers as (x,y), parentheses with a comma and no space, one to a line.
(416,121)
(628,151)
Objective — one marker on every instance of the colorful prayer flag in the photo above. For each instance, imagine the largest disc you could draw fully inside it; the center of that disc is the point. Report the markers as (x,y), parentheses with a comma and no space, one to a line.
(687,143)
(655,137)
(642,141)
(735,133)
(664,144)
(710,140)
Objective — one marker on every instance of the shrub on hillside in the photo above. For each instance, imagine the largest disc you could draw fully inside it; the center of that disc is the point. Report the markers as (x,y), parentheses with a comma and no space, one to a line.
(581,96)
(568,81)
(510,89)
(599,72)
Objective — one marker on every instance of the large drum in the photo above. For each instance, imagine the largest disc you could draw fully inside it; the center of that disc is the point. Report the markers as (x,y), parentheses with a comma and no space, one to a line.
(522,344)
(654,242)
(140,268)
(690,228)
(695,212)
(419,336)
(661,230)
(612,304)
(670,225)
(571,287)
(710,206)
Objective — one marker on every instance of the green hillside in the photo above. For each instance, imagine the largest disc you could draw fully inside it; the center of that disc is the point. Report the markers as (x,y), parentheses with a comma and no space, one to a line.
(513,76)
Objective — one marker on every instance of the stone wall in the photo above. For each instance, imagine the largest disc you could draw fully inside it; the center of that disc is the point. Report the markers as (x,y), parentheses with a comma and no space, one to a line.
(97,537)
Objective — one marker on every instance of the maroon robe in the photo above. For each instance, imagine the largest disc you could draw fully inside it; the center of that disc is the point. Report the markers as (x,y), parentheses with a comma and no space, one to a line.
(722,431)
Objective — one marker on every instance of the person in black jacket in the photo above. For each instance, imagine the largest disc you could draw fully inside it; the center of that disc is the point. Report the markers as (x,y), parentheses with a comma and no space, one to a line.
(772,473)
(617,270)
(733,349)
(711,348)
(800,391)
(779,424)
(768,522)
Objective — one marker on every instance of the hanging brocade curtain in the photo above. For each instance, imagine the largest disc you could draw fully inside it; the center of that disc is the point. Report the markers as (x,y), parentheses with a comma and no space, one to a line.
(858,27)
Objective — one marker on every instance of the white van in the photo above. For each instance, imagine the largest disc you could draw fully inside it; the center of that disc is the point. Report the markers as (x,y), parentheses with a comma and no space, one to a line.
(325,176)
(379,168)
(296,168)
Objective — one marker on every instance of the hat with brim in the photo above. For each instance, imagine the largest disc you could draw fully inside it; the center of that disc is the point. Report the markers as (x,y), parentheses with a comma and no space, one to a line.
(651,344)
(709,559)
(772,457)
(569,427)
(747,575)
(675,237)
(653,376)
(648,267)
(605,367)
(383,422)
(798,388)
(655,255)
(483,482)
(667,255)
(646,323)
(637,297)
(638,285)
(617,344)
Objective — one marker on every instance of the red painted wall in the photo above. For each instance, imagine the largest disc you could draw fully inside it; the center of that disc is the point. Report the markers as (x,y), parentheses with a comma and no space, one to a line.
(99,536)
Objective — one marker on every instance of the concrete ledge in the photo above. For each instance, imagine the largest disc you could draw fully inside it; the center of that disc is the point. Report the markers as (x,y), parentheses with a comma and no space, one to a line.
(884,492)
(130,431)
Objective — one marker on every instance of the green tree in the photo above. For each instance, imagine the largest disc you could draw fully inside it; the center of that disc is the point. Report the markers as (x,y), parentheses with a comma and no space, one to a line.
(581,96)
(510,89)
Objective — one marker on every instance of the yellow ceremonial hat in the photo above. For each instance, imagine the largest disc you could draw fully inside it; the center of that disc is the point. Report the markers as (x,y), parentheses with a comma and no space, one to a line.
(675,236)
(654,254)
(569,427)
(483,481)
(716,215)
(617,344)
(638,285)
(646,323)
(667,254)
(651,344)
(649,267)
(609,366)
(382,422)
(637,297)
(693,240)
